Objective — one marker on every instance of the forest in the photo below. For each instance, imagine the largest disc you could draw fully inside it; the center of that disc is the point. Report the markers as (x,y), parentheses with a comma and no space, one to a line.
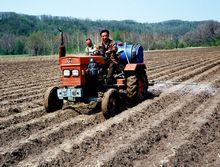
(38,35)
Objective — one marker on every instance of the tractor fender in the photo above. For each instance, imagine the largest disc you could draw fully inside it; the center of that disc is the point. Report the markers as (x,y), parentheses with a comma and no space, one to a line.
(134,67)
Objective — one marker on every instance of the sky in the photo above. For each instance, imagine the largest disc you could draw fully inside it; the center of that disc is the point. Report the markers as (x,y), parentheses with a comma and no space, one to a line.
(150,11)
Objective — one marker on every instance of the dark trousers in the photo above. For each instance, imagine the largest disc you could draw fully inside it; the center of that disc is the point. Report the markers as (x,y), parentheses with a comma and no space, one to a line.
(110,68)
(111,71)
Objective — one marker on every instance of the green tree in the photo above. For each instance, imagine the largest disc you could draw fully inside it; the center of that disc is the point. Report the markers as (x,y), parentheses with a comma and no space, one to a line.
(117,36)
(20,45)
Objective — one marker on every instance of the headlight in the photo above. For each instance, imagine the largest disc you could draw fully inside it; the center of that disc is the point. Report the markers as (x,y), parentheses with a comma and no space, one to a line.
(66,73)
(75,73)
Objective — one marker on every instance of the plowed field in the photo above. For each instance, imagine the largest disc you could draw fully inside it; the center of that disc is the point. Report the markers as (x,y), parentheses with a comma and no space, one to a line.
(178,125)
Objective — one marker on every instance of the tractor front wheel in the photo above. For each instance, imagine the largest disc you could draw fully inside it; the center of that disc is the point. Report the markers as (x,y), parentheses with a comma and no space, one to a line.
(110,103)
(51,100)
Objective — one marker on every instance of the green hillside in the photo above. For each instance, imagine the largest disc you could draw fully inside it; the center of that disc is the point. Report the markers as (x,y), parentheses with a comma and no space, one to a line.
(37,35)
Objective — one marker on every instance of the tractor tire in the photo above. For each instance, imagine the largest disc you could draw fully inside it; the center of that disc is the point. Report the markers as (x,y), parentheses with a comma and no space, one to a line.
(137,86)
(132,86)
(145,80)
(110,103)
(51,100)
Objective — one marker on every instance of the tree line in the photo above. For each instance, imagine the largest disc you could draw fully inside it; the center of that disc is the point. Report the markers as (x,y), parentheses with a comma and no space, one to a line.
(38,35)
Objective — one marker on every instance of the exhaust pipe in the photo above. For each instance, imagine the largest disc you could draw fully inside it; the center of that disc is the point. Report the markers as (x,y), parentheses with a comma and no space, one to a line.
(62,48)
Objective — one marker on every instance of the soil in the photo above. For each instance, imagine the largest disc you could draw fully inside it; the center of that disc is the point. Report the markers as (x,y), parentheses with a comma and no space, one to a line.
(177,125)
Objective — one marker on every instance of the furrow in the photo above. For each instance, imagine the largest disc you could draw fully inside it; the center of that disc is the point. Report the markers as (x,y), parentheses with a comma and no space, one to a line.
(51,136)
(24,129)
(24,116)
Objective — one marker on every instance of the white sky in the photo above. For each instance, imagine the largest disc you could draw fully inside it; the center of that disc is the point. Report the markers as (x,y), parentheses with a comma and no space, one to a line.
(138,10)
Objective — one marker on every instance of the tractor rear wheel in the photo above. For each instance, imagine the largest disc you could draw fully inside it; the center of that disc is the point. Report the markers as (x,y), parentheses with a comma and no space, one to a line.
(110,103)
(51,100)
(137,86)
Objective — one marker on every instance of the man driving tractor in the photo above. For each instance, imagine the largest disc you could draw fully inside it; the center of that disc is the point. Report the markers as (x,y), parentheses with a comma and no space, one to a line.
(108,49)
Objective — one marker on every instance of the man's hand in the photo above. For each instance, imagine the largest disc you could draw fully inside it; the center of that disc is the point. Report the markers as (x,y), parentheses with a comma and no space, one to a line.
(113,59)
(99,47)
(108,52)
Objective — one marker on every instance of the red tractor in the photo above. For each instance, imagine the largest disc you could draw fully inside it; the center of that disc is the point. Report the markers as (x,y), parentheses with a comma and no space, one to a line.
(83,80)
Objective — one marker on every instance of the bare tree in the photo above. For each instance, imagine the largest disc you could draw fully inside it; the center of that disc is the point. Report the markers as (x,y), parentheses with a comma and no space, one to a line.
(8,43)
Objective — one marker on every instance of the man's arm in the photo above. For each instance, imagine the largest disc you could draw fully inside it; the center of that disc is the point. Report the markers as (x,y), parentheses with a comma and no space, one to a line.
(87,50)
(112,48)
(111,52)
